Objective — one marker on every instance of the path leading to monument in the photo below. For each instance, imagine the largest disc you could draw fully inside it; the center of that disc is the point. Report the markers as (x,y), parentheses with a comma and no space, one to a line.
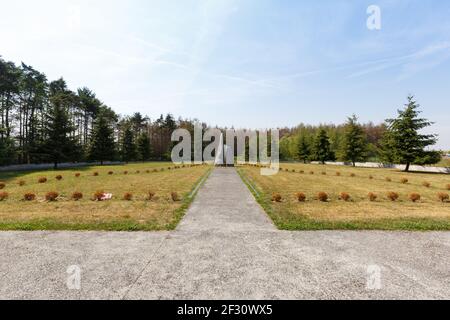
(226,248)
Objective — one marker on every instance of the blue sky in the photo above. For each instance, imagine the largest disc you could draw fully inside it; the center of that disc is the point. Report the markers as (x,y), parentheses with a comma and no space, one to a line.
(247,63)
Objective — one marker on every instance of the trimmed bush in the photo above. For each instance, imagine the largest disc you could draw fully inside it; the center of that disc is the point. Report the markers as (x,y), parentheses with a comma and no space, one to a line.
(51,196)
(42,180)
(98,195)
(414,197)
(96,174)
(345,196)
(404,180)
(174,196)
(2,185)
(276,197)
(372,196)
(150,195)
(77,196)
(77,175)
(29,196)
(322,196)
(393,196)
(3,196)
(59,177)
(21,183)
(301,197)
(443,197)
(128,196)
(110,173)
(426,184)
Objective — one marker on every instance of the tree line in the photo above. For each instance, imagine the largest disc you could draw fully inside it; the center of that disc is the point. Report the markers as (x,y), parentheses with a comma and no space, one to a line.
(45,122)
(398,140)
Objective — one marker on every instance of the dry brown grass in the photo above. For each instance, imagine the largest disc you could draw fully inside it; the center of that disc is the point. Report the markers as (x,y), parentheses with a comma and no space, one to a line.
(369,202)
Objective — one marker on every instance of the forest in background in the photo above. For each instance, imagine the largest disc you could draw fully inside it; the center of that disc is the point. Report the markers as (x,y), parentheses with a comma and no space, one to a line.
(44,121)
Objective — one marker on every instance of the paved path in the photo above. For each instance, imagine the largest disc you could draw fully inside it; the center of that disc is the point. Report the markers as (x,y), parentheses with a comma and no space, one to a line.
(225,248)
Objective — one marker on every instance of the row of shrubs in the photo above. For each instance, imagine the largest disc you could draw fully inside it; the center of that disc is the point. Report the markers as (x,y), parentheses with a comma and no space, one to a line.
(76,196)
(388,179)
(344,196)
(42,180)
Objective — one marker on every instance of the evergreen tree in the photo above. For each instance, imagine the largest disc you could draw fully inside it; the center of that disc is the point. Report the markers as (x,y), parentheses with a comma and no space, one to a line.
(60,145)
(303,152)
(355,143)
(403,142)
(144,149)
(128,146)
(322,147)
(103,146)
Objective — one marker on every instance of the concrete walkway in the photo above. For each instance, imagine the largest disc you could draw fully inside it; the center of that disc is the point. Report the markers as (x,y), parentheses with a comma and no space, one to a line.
(226,248)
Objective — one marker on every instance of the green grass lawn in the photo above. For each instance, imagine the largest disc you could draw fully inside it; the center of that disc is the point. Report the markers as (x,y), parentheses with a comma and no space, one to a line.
(429,213)
(159,213)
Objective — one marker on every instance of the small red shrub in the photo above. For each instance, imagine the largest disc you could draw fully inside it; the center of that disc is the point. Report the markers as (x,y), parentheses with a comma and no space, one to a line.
(2,185)
(372,197)
(110,173)
(42,180)
(77,196)
(98,195)
(51,196)
(338,174)
(276,197)
(59,177)
(371,177)
(352,175)
(29,196)
(77,175)
(393,196)
(150,195)
(443,197)
(125,172)
(404,180)
(3,196)
(345,196)
(175,197)
(95,174)
(414,197)
(128,196)
(426,184)
(301,197)
(322,196)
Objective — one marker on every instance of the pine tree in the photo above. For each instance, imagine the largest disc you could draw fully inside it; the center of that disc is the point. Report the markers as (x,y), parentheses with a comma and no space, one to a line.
(60,144)
(354,144)
(322,147)
(103,146)
(144,149)
(403,142)
(303,152)
(128,146)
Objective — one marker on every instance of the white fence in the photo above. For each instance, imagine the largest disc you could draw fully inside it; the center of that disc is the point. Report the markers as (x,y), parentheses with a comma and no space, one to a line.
(32,167)
(392,166)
